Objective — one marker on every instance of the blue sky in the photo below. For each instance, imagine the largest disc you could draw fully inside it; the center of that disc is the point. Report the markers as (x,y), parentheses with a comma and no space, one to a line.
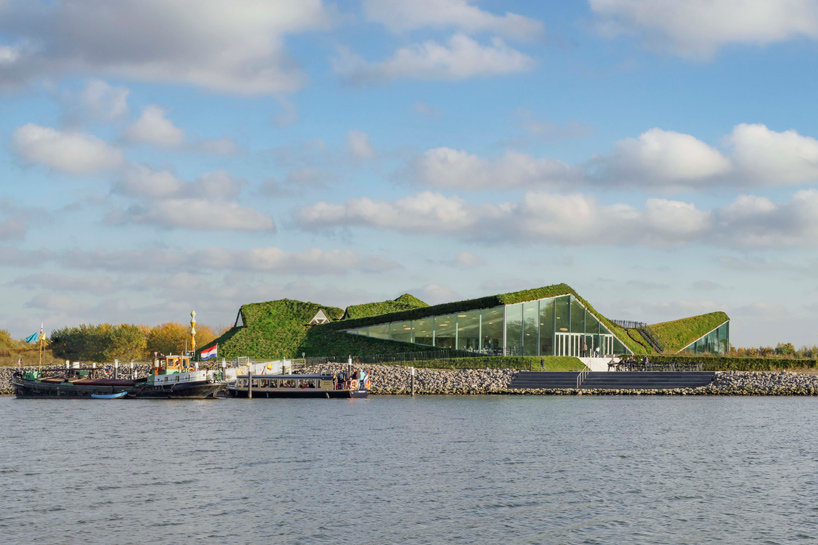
(660,157)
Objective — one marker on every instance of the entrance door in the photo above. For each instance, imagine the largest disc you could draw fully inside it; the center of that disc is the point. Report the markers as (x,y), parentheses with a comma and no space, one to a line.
(568,344)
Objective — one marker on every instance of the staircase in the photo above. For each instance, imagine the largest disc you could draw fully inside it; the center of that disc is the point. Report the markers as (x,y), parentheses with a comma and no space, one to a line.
(650,380)
(653,339)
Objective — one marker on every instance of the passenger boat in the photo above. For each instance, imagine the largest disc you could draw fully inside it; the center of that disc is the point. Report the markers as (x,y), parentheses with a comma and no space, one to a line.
(173,377)
(69,383)
(320,385)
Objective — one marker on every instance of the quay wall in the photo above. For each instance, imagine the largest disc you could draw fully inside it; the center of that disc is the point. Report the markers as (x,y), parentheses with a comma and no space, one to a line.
(396,380)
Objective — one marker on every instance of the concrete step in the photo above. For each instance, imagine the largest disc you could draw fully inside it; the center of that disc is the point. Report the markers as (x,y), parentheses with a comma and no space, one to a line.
(651,380)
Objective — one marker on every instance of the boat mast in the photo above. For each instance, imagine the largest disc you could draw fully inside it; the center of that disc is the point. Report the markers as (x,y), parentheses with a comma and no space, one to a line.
(193,332)
(42,338)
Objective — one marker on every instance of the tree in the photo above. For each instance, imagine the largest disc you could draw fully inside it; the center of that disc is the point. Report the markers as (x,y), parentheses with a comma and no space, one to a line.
(100,343)
(168,338)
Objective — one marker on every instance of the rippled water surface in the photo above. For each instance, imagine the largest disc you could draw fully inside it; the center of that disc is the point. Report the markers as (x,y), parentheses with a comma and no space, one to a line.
(410,470)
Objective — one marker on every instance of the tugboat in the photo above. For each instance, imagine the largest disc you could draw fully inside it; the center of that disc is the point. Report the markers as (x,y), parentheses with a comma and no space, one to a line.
(173,377)
(344,385)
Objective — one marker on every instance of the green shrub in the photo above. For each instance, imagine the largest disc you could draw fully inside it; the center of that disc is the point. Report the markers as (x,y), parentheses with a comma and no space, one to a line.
(404,302)
(727,363)
(679,333)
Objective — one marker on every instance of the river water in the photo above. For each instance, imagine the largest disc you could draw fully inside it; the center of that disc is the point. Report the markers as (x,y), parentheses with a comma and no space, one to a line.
(471,470)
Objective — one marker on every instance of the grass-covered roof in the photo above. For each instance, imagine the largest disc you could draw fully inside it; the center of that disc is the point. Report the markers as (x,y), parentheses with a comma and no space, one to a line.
(404,302)
(487,302)
(677,334)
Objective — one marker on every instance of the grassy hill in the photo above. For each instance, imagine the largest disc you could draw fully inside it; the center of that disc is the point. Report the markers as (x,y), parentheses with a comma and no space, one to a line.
(679,333)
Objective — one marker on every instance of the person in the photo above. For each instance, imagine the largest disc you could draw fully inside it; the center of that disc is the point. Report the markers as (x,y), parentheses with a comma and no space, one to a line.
(542,364)
(630,363)
(584,349)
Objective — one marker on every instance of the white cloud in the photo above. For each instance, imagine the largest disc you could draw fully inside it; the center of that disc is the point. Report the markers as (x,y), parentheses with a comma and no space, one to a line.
(426,212)
(359,147)
(661,158)
(235,47)
(698,29)
(57,302)
(196,214)
(103,101)
(141,181)
(153,127)
(461,58)
(435,294)
(267,259)
(767,157)
(450,168)
(98,285)
(467,260)
(70,152)
(577,219)
(403,15)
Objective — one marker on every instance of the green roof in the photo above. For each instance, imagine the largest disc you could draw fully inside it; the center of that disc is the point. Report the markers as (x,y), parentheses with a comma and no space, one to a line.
(404,302)
(486,302)
(679,333)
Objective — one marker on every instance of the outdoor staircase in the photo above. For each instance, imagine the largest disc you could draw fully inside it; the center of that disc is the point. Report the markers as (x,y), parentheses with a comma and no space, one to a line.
(648,380)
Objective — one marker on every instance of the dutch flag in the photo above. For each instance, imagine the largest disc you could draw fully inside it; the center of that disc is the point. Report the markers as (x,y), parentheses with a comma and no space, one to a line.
(210,353)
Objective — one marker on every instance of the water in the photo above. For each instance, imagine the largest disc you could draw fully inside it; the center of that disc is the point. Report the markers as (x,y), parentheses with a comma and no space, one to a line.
(471,470)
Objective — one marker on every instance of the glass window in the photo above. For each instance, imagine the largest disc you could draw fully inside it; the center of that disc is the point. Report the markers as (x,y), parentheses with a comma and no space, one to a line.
(492,341)
(547,327)
(380,331)
(577,317)
(401,331)
(363,331)
(618,347)
(724,339)
(423,331)
(530,323)
(445,331)
(468,330)
(562,310)
(592,333)
(514,330)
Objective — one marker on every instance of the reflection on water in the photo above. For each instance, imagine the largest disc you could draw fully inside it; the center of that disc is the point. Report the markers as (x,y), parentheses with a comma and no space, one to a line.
(410,470)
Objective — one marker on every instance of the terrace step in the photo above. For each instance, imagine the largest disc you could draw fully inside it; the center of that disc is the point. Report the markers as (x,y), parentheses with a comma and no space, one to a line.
(648,380)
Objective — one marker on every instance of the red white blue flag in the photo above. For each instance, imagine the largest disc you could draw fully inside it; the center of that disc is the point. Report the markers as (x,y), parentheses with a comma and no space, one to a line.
(210,353)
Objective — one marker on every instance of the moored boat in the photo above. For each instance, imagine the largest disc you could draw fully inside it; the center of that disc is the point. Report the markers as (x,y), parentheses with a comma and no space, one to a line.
(120,395)
(173,377)
(69,383)
(344,385)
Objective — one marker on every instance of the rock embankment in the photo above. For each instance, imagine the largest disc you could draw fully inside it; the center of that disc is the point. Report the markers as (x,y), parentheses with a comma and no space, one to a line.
(396,380)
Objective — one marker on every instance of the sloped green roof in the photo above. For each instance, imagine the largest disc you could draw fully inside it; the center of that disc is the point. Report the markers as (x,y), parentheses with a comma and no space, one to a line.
(273,329)
(486,302)
(677,334)
(404,302)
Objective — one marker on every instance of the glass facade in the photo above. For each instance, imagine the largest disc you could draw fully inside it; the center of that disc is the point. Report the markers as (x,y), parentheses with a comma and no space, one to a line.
(556,326)
(715,342)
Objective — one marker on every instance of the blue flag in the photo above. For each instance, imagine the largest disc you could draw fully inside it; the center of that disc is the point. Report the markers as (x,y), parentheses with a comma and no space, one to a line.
(33,338)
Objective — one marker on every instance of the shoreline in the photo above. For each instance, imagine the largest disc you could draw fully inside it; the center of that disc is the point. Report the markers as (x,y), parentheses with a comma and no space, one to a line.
(396,381)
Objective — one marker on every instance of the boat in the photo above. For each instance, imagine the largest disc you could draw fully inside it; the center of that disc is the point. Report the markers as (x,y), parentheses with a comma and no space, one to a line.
(173,377)
(343,385)
(75,382)
(119,395)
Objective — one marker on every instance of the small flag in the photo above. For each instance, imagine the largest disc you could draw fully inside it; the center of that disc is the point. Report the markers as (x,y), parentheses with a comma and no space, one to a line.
(210,353)
(33,338)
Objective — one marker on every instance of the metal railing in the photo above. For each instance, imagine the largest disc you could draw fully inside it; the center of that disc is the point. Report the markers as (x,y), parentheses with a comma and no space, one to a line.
(581,376)
(651,336)
(629,324)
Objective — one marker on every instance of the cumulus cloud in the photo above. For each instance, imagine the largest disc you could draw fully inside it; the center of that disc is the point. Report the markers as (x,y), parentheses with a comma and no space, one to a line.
(359,147)
(98,285)
(100,100)
(141,181)
(461,58)
(153,127)
(235,47)
(71,152)
(196,214)
(450,168)
(699,29)
(426,212)
(403,15)
(268,259)
(579,219)
(766,157)
(659,157)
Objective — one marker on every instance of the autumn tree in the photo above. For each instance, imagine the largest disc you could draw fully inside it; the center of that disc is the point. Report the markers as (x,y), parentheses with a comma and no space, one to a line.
(168,338)
(101,343)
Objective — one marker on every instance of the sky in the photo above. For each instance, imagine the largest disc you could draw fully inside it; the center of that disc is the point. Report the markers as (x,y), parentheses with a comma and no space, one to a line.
(660,157)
